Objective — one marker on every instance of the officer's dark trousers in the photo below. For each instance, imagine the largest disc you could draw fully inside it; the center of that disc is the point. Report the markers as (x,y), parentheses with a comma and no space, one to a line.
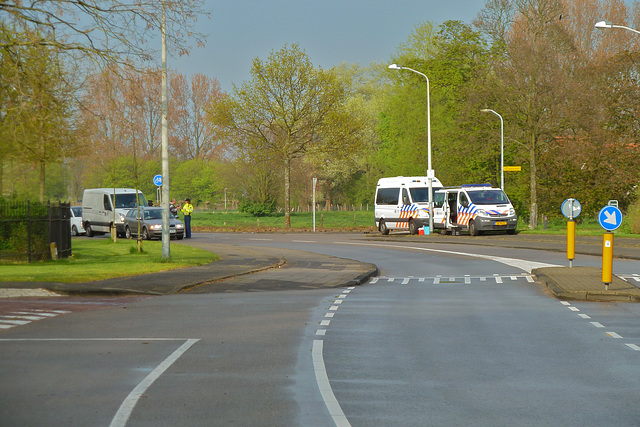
(187,226)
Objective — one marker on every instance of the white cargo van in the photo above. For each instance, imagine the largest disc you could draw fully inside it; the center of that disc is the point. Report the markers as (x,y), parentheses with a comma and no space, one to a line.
(402,203)
(102,207)
(474,208)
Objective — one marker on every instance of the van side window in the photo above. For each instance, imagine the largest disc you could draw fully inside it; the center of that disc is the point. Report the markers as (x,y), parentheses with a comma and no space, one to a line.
(464,201)
(107,204)
(405,197)
(438,200)
(387,196)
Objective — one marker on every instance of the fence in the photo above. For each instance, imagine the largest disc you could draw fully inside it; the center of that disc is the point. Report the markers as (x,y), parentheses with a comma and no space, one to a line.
(28,231)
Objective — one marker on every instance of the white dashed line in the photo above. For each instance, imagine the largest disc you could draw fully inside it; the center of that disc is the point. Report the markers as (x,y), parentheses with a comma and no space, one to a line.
(633,347)
(597,324)
(613,335)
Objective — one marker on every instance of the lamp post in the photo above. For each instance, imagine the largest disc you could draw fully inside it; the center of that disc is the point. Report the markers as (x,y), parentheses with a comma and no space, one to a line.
(430,173)
(604,24)
(487,110)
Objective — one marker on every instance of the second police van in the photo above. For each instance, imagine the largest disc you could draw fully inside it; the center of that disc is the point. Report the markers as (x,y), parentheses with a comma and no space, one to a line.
(402,203)
(474,208)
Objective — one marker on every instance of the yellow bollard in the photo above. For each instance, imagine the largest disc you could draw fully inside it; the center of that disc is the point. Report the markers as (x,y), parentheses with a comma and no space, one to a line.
(571,241)
(607,259)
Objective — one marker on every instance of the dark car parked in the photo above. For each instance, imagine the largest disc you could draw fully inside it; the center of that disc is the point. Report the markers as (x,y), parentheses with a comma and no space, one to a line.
(151,224)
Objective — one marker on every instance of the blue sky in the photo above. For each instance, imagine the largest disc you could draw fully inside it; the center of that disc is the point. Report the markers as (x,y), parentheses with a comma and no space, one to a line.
(330,31)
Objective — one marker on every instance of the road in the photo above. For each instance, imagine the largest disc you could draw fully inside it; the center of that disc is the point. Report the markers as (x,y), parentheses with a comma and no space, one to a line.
(446,335)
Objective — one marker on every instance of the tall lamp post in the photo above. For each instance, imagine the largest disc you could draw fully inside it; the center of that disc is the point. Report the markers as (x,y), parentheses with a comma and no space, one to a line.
(487,110)
(605,24)
(430,173)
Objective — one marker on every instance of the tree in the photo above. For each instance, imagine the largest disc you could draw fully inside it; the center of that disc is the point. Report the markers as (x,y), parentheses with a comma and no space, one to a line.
(290,109)
(37,113)
(107,31)
(193,137)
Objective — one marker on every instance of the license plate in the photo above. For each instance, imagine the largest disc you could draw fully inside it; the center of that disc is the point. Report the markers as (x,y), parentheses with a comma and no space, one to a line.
(501,222)
(174,231)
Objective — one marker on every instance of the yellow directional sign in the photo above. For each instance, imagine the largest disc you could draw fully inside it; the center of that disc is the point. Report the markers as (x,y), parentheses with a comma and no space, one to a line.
(512,168)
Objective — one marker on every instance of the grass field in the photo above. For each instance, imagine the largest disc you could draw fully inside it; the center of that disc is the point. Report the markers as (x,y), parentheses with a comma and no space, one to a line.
(301,221)
(97,259)
(361,221)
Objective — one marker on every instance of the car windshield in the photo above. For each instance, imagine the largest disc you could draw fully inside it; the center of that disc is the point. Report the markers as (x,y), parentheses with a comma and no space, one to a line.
(153,214)
(419,195)
(129,200)
(77,211)
(488,197)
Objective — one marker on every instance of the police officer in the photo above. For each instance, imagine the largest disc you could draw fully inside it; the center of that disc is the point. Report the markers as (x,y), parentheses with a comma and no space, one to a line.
(187,210)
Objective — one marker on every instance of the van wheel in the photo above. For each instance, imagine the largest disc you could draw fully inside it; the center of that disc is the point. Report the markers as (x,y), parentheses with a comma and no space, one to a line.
(413,228)
(473,229)
(383,228)
(74,231)
(89,230)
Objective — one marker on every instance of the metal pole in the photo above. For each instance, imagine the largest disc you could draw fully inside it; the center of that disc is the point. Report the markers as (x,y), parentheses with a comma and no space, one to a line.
(314,204)
(166,236)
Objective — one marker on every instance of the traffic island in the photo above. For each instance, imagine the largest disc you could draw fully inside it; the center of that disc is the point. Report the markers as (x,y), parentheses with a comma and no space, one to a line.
(585,284)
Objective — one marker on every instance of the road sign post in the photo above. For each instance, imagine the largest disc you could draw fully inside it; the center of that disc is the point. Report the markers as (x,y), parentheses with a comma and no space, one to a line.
(610,218)
(571,208)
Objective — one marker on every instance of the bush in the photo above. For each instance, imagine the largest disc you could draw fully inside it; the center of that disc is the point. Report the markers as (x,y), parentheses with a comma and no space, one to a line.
(256,208)
(632,219)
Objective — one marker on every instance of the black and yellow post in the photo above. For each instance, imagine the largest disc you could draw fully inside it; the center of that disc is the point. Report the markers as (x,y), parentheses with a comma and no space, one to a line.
(607,259)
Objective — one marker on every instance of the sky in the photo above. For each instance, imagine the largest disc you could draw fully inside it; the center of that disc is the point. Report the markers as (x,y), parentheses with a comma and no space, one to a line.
(329,31)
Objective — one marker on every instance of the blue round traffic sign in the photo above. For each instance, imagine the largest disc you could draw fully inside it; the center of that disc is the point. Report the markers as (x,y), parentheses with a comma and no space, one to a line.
(157,180)
(610,218)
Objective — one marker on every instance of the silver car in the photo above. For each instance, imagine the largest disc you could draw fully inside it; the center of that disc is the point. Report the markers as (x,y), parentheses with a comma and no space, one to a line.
(150,224)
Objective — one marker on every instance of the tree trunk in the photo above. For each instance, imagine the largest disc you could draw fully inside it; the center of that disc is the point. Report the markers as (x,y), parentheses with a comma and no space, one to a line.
(287,191)
(533,218)
(41,173)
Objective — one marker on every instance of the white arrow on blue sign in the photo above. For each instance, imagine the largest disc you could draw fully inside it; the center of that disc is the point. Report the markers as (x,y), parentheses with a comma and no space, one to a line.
(610,218)
(157,180)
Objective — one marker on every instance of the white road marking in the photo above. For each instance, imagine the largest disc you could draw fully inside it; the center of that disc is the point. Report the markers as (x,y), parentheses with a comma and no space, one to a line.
(613,335)
(633,347)
(597,324)
(325,322)
(324,385)
(329,315)
(405,281)
(565,303)
(321,332)
(584,316)
(467,280)
(342,296)
(334,307)
(513,262)
(125,410)
(573,308)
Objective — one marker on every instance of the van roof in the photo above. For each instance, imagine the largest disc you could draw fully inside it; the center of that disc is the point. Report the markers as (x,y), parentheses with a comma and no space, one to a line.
(408,180)
(112,190)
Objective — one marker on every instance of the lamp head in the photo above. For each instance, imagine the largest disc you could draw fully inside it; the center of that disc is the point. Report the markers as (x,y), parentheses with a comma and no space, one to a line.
(603,24)
(395,67)
(485,110)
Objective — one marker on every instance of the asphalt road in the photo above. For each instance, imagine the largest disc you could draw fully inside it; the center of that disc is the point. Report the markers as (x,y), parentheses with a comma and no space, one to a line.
(439,338)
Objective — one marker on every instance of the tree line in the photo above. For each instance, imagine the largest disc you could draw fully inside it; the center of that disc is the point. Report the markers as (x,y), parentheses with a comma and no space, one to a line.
(567,93)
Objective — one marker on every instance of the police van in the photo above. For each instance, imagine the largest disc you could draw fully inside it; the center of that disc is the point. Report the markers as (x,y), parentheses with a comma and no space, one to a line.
(474,208)
(402,203)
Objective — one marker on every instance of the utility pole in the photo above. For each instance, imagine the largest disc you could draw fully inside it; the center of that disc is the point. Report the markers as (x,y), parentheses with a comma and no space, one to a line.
(166,236)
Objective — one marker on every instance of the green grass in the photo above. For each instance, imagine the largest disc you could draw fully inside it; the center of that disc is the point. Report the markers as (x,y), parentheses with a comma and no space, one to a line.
(97,259)
(585,226)
(300,221)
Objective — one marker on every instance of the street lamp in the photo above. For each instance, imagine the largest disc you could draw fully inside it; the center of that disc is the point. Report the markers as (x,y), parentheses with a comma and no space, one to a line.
(604,24)
(487,110)
(430,174)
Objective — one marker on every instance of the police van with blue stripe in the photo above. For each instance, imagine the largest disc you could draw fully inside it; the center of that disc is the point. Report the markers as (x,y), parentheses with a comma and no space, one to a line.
(474,208)
(402,203)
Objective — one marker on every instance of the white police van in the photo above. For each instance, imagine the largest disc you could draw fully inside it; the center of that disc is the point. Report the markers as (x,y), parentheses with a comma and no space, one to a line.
(474,208)
(402,203)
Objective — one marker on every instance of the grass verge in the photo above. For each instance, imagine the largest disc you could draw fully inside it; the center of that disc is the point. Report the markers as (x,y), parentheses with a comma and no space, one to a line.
(98,259)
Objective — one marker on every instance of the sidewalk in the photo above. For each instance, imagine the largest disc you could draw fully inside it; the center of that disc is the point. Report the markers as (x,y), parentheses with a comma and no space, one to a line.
(243,268)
